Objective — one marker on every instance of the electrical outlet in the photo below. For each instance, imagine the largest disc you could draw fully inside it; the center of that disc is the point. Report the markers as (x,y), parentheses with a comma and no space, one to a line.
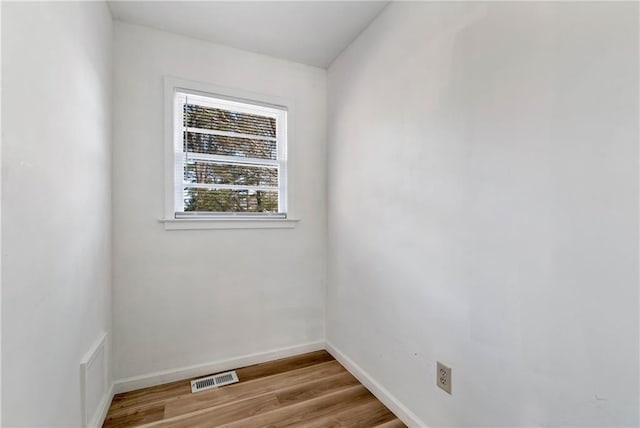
(443,377)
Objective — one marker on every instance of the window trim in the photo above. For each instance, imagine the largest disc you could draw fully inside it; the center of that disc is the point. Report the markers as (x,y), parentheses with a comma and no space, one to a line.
(224,220)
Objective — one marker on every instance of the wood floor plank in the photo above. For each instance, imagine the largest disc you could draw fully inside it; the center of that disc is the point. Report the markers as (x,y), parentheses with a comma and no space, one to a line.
(310,390)
(149,414)
(284,365)
(240,409)
(395,423)
(151,395)
(297,393)
(141,399)
(220,415)
(309,409)
(366,415)
(246,389)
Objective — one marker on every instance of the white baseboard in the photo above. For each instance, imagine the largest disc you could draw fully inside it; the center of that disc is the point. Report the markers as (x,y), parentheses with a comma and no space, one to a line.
(101,414)
(404,414)
(158,378)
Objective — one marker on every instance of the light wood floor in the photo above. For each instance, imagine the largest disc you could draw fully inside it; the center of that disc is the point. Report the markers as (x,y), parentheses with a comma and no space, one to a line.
(311,390)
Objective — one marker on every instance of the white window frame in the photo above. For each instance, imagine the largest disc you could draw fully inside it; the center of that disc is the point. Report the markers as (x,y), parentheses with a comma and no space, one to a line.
(174,167)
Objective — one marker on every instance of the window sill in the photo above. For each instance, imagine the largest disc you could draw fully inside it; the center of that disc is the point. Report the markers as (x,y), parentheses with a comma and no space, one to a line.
(228,223)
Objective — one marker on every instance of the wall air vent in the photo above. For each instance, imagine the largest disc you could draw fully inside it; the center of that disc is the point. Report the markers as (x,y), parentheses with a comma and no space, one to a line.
(214,381)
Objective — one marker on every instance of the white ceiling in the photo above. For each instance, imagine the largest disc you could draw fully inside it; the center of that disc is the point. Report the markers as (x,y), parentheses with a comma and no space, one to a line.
(310,32)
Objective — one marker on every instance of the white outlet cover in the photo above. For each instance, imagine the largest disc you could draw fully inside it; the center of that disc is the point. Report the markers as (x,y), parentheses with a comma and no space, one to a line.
(443,377)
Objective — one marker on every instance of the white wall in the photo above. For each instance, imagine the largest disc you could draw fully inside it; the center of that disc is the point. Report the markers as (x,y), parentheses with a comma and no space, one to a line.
(56,79)
(483,210)
(183,298)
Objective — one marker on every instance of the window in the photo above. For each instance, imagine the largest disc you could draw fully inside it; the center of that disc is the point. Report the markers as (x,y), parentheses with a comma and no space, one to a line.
(229,157)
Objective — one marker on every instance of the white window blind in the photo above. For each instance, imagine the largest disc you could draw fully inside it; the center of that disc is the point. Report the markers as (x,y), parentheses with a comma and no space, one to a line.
(230,157)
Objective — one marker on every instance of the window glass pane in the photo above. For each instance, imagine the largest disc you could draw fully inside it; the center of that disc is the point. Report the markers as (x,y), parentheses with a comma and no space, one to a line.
(222,120)
(204,156)
(225,200)
(230,146)
(217,173)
